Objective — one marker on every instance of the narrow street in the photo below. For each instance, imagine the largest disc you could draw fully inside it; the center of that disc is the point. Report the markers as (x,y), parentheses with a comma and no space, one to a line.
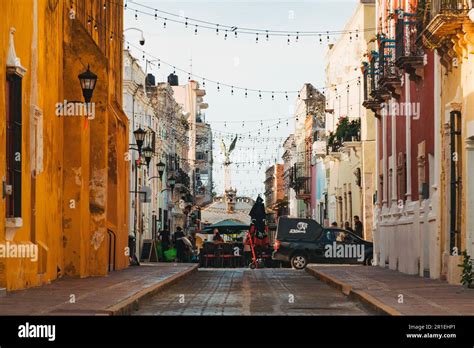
(250,292)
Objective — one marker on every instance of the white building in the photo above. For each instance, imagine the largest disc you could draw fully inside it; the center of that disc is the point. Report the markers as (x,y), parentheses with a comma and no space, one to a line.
(351,150)
(143,197)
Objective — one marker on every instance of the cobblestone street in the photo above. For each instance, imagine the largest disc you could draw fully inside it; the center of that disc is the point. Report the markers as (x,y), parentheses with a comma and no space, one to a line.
(250,292)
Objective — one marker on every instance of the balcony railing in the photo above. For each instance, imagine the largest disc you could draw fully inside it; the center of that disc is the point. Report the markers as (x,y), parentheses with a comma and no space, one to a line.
(454,7)
(409,54)
(301,181)
(389,76)
(447,18)
(370,69)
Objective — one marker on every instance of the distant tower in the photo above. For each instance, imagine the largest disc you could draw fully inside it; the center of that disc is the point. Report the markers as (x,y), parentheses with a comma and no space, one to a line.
(230,198)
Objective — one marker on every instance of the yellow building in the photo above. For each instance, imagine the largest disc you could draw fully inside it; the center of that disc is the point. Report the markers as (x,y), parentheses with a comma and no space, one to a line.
(449,29)
(62,176)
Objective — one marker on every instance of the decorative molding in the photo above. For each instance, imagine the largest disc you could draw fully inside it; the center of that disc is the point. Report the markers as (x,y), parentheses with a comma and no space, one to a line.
(13,62)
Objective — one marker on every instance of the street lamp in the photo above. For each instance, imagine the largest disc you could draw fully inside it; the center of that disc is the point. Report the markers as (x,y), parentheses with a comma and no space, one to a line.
(142,38)
(139,138)
(148,154)
(172,183)
(88,81)
(161,169)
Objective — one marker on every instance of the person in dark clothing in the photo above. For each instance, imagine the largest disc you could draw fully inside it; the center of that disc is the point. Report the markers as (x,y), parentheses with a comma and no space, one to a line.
(334,224)
(179,244)
(165,239)
(359,227)
(217,238)
(348,227)
(258,214)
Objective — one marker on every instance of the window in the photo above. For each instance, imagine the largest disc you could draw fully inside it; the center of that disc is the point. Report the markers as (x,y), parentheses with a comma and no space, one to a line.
(13,142)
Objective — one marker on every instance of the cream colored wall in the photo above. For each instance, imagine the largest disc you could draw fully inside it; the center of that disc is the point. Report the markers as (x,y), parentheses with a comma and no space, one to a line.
(343,73)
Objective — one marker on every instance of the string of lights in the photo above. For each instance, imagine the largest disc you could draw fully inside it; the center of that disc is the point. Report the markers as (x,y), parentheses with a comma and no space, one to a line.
(246,91)
(232,30)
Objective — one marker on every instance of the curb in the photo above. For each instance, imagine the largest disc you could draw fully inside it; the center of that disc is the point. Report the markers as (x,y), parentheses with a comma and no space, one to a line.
(358,295)
(127,306)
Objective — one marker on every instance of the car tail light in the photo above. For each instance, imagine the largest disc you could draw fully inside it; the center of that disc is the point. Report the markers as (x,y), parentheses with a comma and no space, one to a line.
(277,245)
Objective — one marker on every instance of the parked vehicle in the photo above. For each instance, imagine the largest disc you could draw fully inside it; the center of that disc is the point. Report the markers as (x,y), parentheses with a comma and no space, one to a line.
(302,241)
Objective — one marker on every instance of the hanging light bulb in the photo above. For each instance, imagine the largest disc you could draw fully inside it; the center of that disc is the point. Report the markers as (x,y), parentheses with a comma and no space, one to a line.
(156,15)
(164,23)
(218,87)
(246,93)
(203,82)
(235,34)
(267,36)
(186,23)
(288,39)
(256,38)
(217,29)
(232,90)
(159,64)
(273,96)
(136,14)
(327,35)
(297,36)
(260,94)
(320,39)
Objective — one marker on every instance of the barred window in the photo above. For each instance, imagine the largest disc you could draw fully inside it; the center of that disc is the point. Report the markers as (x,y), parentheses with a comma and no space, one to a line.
(13,145)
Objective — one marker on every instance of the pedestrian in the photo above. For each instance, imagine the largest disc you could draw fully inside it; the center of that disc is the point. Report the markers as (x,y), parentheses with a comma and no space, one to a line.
(247,251)
(359,227)
(217,238)
(165,238)
(179,244)
(334,224)
(348,227)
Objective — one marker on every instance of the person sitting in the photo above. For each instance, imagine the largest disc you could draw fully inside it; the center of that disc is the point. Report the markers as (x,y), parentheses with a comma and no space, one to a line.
(217,238)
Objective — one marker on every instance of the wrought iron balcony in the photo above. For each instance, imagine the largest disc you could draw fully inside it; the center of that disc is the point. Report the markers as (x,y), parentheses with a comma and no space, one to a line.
(371,101)
(409,54)
(302,181)
(447,19)
(389,81)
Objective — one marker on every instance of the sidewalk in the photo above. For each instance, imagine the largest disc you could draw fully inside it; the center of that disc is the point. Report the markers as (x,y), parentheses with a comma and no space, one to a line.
(381,288)
(114,294)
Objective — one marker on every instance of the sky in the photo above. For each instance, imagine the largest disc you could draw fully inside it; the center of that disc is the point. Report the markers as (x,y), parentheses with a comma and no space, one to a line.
(266,65)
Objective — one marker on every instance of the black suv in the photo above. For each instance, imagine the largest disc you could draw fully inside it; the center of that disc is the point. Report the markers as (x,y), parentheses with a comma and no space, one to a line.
(301,241)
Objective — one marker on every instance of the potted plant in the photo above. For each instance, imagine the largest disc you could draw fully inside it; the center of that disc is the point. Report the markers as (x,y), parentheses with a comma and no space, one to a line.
(466,276)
